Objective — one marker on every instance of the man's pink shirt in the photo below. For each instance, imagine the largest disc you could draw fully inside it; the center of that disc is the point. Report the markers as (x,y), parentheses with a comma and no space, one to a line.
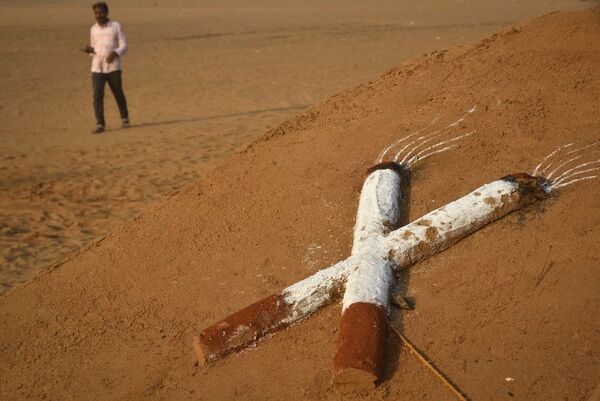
(106,39)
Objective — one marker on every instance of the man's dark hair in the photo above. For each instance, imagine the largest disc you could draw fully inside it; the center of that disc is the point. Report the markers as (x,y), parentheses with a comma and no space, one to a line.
(101,5)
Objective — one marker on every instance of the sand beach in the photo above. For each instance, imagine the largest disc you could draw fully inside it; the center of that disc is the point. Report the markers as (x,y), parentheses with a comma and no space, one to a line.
(253,127)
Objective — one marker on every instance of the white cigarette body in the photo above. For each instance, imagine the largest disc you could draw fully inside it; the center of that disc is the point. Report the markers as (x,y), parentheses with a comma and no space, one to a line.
(363,326)
(378,213)
(378,210)
(450,223)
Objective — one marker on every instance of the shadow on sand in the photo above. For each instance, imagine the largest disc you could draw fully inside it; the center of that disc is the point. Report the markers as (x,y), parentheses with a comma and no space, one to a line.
(214,117)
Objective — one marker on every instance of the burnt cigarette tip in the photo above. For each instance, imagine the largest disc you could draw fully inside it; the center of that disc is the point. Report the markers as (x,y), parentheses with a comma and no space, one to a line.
(402,170)
(531,185)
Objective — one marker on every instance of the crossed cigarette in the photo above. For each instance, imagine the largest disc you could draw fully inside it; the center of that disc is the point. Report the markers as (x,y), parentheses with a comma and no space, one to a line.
(368,274)
(380,249)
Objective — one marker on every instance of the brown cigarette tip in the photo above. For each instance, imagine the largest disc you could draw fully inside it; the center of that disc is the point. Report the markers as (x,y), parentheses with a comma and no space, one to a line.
(241,328)
(361,344)
(531,187)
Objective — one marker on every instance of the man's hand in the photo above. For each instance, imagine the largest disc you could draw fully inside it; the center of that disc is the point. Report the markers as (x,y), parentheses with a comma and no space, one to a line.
(89,50)
(111,57)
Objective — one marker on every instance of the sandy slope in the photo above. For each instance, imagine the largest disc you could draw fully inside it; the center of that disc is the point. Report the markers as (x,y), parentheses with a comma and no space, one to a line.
(202,79)
(517,299)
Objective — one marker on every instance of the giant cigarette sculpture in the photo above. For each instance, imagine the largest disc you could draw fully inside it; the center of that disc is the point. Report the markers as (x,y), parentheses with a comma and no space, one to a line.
(303,298)
(376,255)
(416,241)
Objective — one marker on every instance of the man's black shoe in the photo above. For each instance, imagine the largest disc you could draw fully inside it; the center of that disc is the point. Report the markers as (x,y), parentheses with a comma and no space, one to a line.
(98,130)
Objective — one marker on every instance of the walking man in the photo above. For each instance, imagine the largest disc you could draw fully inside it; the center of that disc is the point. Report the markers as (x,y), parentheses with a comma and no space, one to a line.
(107,46)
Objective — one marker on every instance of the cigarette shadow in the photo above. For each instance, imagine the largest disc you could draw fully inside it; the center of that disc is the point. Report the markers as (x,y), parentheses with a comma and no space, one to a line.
(216,117)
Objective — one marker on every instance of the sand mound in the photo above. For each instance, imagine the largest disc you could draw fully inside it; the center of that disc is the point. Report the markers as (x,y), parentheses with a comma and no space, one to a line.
(517,299)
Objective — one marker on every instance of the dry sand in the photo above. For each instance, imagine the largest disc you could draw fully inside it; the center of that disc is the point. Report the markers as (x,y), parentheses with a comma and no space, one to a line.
(517,299)
(202,78)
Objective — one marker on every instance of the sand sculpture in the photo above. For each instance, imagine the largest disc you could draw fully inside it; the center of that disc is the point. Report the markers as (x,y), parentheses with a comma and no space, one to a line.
(300,300)
(381,249)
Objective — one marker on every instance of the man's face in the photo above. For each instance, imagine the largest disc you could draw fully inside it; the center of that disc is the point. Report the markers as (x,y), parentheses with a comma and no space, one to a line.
(100,15)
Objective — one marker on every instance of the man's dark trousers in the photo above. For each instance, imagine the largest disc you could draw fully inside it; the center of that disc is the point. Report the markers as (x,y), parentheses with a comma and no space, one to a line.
(114,81)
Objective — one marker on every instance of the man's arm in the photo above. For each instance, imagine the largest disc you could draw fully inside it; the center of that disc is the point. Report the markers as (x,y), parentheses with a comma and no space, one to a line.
(122,45)
(90,48)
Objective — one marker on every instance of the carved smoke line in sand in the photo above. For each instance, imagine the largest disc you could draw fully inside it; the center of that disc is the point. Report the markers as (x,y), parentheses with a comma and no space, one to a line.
(416,150)
(569,164)
(298,301)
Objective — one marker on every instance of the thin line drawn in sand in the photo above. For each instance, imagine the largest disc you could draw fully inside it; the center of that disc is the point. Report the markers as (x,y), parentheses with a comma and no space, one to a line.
(414,151)
(570,169)
(427,152)
(571,172)
(536,171)
(427,363)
